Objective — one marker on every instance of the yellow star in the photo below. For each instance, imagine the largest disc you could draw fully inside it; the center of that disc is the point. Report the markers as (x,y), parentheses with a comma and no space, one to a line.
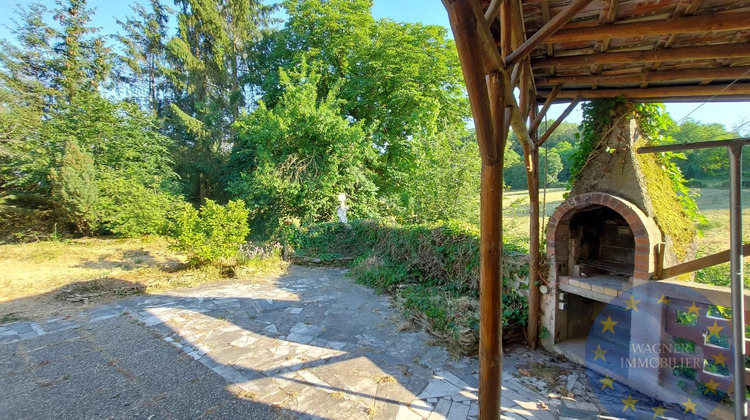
(658,411)
(710,387)
(608,325)
(689,406)
(714,330)
(629,403)
(632,304)
(607,382)
(720,359)
(663,300)
(599,353)
(694,309)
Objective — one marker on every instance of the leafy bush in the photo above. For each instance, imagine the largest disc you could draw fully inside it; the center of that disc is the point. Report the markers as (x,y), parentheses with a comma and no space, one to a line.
(434,268)
(129,208)
(213,233)
(295,159)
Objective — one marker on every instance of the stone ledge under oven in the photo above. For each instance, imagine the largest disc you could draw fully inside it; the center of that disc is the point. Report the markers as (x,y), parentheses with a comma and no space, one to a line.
(602,288)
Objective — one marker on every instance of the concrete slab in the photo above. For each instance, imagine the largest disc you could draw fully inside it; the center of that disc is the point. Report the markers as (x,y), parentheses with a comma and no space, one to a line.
(309,344)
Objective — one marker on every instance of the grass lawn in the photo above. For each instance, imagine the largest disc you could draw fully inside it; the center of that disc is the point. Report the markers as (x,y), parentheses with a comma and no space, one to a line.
(37,278)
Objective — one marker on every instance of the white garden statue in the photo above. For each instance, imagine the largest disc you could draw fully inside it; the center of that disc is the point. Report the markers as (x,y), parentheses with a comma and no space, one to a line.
(342,208)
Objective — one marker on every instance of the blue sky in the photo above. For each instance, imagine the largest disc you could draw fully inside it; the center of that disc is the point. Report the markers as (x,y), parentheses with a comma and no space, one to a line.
(430,12)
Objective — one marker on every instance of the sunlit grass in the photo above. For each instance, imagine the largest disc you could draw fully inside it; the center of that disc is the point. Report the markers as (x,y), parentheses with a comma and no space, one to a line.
(37,277)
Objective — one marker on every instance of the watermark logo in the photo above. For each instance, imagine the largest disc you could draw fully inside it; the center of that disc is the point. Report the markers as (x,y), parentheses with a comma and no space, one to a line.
(669,342)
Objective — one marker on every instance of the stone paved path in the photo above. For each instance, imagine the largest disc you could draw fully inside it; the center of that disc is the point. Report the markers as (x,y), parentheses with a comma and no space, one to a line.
(310,344)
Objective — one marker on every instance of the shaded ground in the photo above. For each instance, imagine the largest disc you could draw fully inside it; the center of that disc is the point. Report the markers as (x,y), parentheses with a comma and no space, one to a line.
(310,344)
(114,368)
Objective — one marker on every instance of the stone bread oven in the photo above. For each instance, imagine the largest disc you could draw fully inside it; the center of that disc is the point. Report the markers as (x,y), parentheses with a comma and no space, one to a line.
(621,223)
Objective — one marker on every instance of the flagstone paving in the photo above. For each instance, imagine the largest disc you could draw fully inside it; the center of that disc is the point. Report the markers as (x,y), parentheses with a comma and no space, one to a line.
(309,344)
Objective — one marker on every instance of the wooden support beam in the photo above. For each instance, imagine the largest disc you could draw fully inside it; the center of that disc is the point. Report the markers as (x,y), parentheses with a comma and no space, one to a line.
(525,99)
(722,73)
(612,12)
(545,19)
(492,11)
(640,57)
(679,147)
(492,59)
(496,90)
(466,32)
(540,115)
(487,98)
(506,30)
(558,121)
(490,290)
(701,263)
(557,22)
(686,25)
(740,90)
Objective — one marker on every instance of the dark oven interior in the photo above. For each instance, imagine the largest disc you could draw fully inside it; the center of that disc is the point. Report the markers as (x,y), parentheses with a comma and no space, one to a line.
(601,243)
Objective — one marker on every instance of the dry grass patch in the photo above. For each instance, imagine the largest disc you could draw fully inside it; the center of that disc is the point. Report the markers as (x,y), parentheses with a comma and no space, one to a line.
(44,279)
(381,379)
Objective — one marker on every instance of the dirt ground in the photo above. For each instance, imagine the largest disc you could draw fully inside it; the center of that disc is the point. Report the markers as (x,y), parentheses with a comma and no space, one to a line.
(59,278)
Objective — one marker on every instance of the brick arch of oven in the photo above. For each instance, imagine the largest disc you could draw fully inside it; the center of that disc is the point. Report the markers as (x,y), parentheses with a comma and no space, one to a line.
(645,231)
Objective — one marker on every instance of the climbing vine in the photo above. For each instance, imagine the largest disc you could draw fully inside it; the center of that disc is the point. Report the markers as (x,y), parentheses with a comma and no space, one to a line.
(600,116)
(654,122)
(597,119)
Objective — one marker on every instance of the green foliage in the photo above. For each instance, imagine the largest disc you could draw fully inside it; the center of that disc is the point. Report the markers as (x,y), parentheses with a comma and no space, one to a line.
(435,268)
(294,160)
(104,163)
(129,208)
(402,81)
(74,186)
(213,233)
(443,168)
(654,123)
(205,72)
(597,118)
(328,241)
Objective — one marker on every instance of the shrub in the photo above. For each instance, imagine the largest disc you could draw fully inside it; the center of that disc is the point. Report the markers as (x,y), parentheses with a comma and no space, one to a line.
(434,268)
(129,208)
(212,233)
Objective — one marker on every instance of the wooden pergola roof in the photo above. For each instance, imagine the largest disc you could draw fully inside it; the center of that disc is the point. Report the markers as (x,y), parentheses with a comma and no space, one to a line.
(663,51)
(517,54)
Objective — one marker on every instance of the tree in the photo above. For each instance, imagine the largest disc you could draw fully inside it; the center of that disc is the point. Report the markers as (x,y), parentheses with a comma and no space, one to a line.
(144,55)
(205,63)
(702,163)
(403,80)
(294,160)
(443,184)
(565,150)
(74,186)
(84,60)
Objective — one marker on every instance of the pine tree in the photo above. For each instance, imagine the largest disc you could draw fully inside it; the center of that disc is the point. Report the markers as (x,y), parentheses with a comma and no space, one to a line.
(74,186)
(144,54)
(84,62)
(207,60)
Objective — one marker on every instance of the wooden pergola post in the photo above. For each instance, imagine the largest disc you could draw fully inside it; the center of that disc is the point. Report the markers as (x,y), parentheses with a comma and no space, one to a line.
(490,84)
(497,58)
(487,98)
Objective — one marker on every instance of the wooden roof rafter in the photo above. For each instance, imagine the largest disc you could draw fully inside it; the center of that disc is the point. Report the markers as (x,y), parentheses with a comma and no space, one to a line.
(632,44)
(508,44)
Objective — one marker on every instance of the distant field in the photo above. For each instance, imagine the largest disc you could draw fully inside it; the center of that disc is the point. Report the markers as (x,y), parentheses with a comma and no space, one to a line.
(712,202)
